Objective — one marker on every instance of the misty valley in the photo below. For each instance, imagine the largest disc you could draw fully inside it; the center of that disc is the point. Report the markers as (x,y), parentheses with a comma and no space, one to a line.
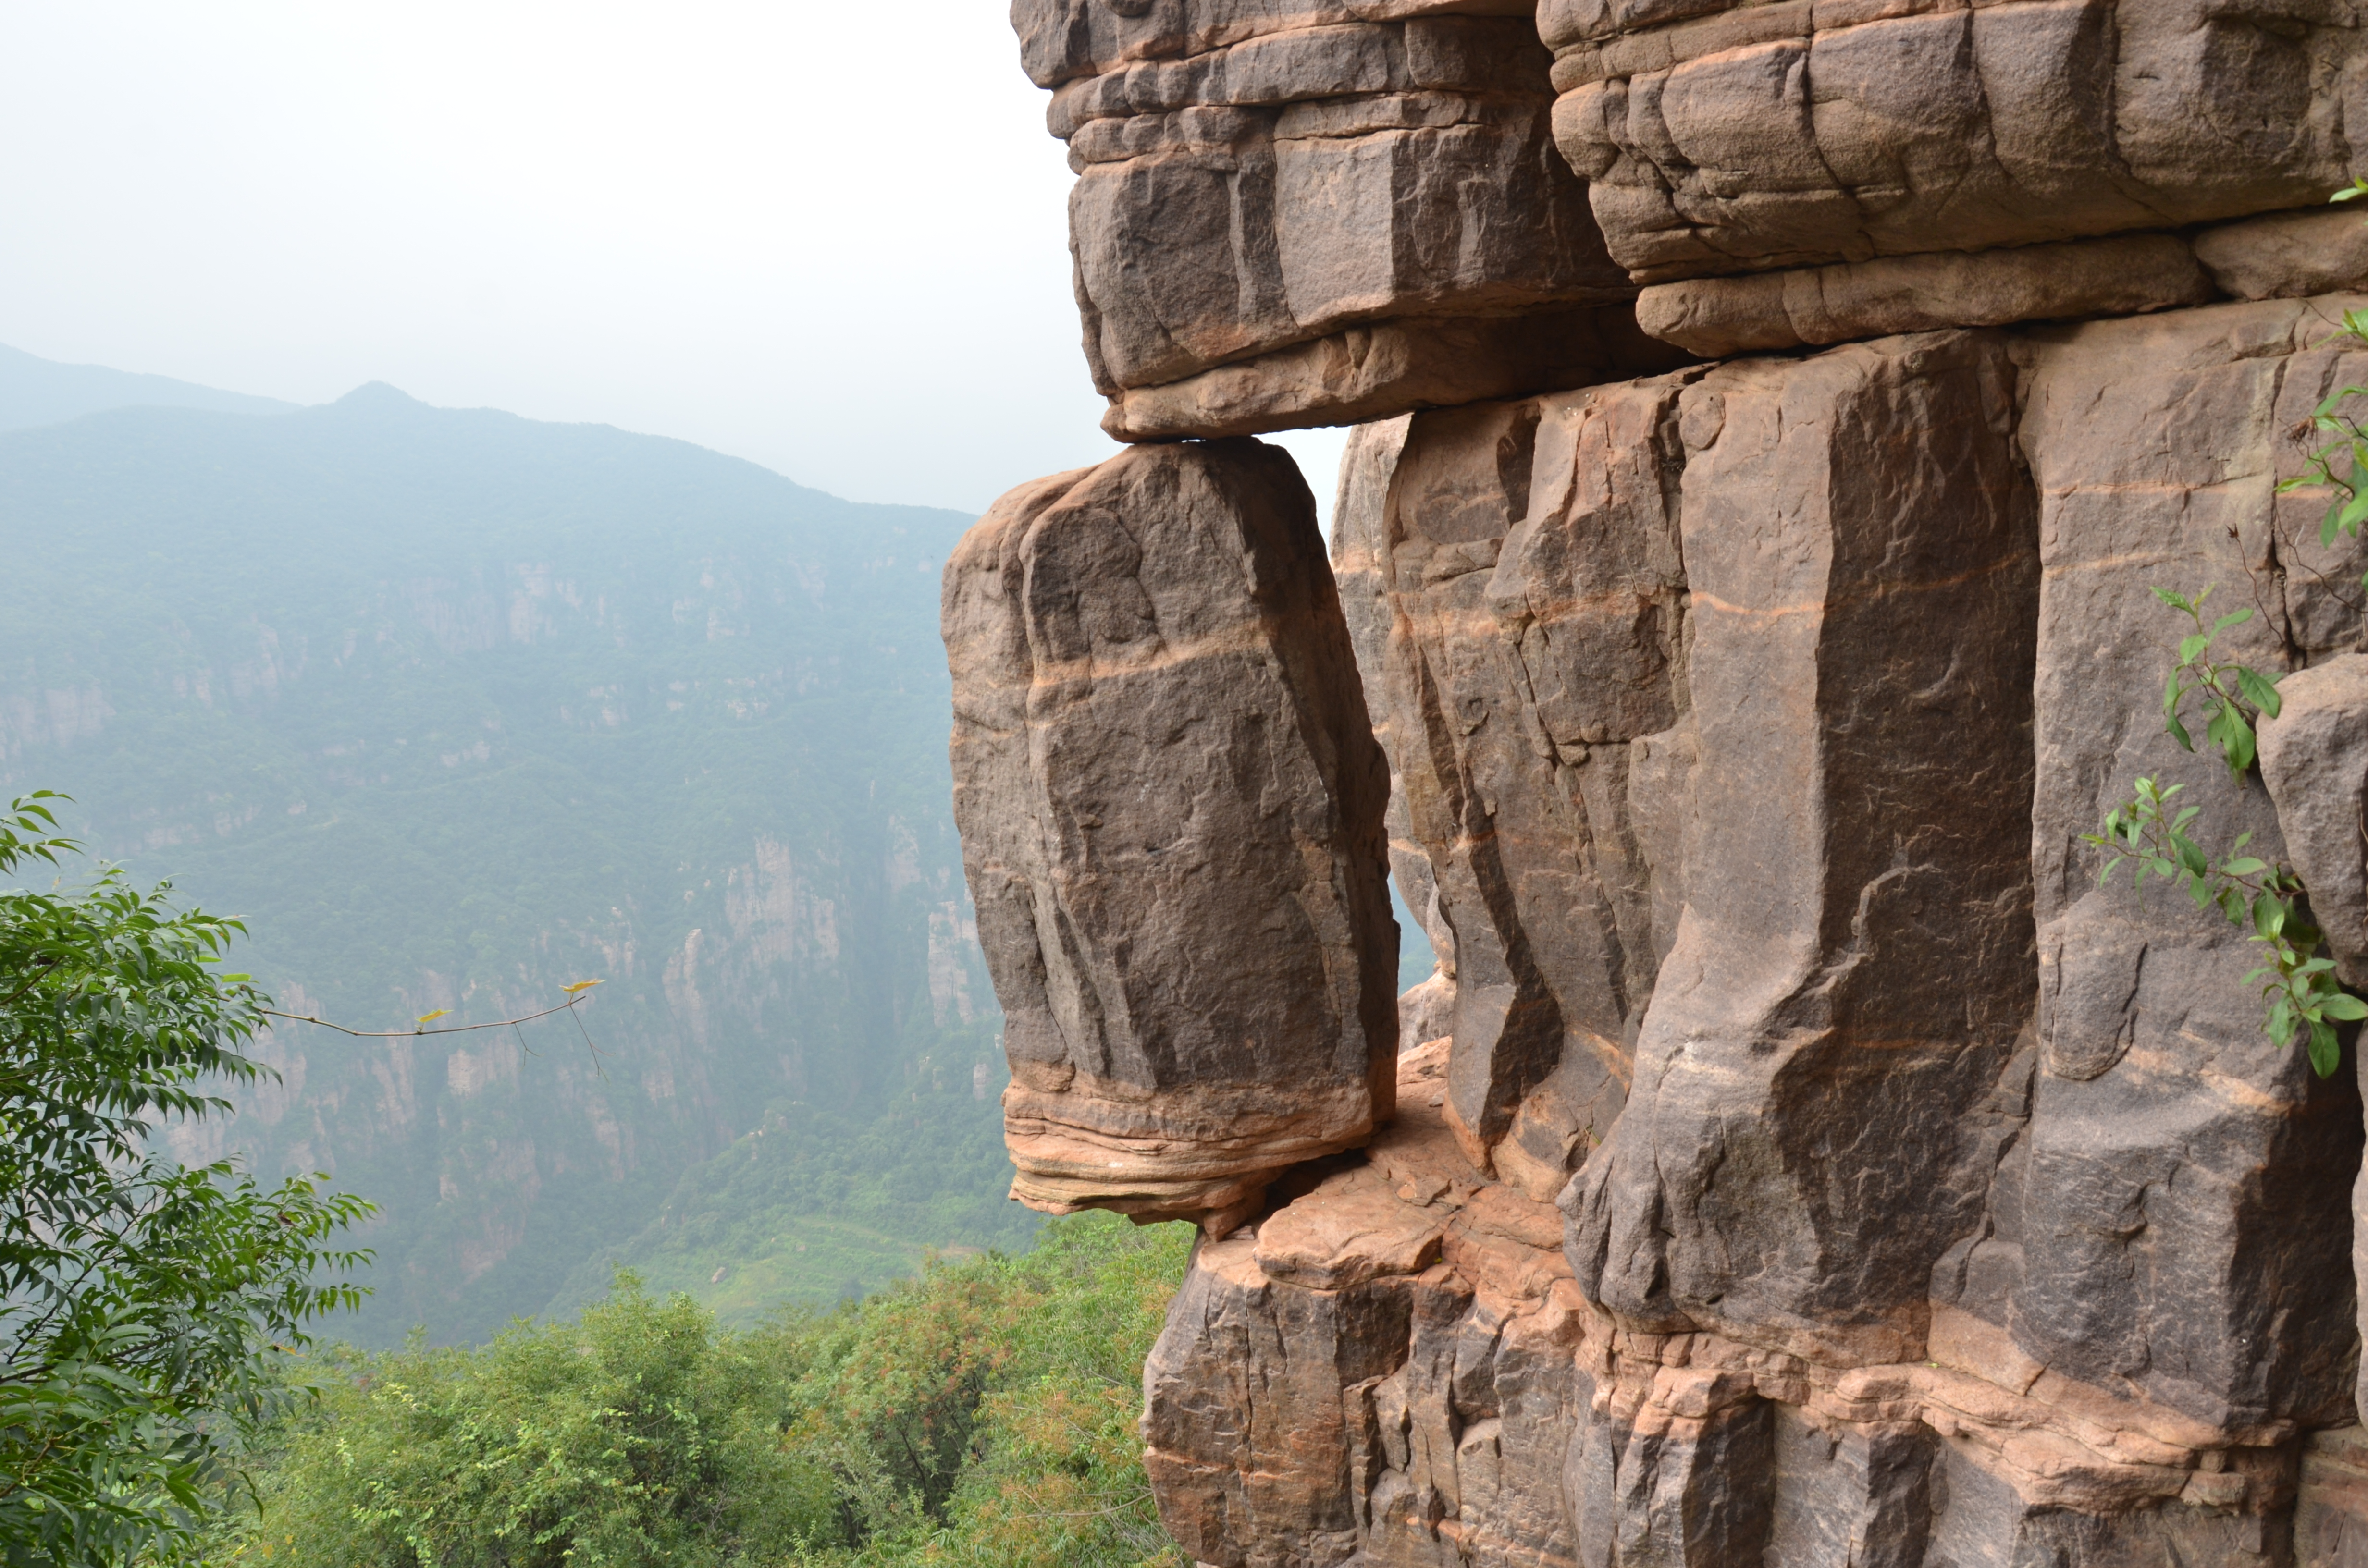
(453,708)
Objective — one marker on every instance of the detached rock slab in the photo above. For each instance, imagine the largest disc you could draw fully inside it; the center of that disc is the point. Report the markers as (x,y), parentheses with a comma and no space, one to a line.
(1171,807)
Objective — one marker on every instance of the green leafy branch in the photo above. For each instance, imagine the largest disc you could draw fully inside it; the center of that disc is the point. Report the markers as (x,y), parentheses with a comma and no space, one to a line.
(2237,696)
(2151,833)
(2342,465)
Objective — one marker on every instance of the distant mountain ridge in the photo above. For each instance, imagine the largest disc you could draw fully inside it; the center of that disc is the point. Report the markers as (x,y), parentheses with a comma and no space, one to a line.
(455,707)
(36,392)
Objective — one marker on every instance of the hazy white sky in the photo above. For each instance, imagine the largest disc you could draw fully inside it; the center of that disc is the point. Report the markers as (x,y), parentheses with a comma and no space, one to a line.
(828,237)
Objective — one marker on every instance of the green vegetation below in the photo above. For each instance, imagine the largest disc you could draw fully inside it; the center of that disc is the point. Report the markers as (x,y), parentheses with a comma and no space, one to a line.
(982,1414)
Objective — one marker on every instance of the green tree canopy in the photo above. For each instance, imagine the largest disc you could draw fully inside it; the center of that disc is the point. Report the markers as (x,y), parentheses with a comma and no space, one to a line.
(141,1302)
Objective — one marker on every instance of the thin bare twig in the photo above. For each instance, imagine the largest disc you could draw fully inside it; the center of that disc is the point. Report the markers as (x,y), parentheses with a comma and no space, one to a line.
(406,1034)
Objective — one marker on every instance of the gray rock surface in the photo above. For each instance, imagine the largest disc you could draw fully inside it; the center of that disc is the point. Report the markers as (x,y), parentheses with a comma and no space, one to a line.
(1171,808)
(2155,445)
(1722,137)
(1856,930)
(2315,762)
(2331,1503)
(1521,608)
(1256,178)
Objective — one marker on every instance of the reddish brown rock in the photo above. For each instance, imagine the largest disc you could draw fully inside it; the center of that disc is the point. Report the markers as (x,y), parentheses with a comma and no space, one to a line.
(1721,137)
(1307,213)
(2331,1510)
(1252,1413)
(2288,256)
(1440,1438)
(1350,1230)
(1171,808)
(1366,372)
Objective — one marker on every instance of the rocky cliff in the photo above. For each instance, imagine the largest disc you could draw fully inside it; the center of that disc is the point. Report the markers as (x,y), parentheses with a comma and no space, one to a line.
(1800,1159)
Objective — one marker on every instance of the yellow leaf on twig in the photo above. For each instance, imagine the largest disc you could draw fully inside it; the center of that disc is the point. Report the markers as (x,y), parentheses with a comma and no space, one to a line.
(439,1013)
(582,986)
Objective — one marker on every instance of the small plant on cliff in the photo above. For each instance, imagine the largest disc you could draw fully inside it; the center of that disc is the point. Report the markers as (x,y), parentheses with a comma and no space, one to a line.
(2155,835)
(2152,833)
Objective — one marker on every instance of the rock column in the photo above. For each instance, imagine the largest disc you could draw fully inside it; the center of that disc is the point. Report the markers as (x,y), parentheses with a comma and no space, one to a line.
(1171,806)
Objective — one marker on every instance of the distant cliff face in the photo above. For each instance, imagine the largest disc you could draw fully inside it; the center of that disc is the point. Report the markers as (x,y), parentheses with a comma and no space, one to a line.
(457,708)
(1800,1161)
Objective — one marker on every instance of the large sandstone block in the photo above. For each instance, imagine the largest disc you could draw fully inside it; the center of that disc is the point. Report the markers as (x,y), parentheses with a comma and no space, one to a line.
(1719,136)
(1299,213)
(2172,1224)
(1520,613)
(1853,960)
(1171,808)
(1249,1417)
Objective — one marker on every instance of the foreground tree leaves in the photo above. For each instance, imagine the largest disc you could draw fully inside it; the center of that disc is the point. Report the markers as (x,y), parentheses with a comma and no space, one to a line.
(143,1304)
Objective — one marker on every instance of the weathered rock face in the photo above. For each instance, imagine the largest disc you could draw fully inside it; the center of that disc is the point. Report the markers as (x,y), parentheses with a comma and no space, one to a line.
(1523,563)
(1719,136)
(1401,1386)
(1800,1160)
(1913,1234)
(2315,762)
(1171,803)
(2155,445)
(1302,214)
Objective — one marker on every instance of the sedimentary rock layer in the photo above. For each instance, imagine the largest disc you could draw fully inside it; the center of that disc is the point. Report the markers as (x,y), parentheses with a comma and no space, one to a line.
(1171,807)
(1722,137)
(1719,316)
(1255,179)
(1326,1390)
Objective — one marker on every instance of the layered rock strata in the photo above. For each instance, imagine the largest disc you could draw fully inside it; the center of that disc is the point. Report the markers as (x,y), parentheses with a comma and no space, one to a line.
(1723,136)
(1932,1204)
(1800,1159)
(1307,213)
(1171,808)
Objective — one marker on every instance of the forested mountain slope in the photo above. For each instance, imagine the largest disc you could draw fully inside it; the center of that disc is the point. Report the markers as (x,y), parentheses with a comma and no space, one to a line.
(455,708)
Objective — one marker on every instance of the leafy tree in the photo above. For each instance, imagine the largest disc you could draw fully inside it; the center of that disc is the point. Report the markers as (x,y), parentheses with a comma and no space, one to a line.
(637,1436)
(982,1414)
(141,1303)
